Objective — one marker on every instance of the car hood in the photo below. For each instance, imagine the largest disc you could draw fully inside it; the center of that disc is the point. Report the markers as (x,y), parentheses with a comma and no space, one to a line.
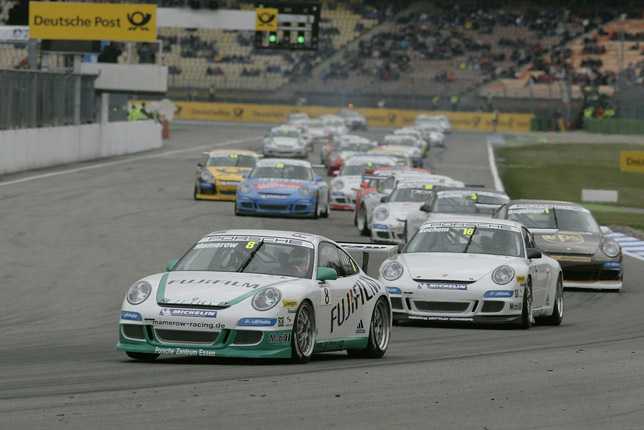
(212,288)
(567,242)
(286,142)
(228,173)
(279,186)
(411,151)
(439,266)
(350,181)
(400,209)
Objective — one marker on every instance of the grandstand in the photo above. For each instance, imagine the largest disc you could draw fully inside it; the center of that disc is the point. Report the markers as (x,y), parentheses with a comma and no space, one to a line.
(421,54)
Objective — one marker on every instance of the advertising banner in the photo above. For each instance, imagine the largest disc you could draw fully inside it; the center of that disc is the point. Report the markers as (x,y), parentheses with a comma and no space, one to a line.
(375,117)
(92,21)
(14,33)
(632,161)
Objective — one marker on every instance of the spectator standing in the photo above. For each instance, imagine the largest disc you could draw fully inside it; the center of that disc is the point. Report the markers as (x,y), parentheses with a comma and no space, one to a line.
(495,120)
(146,54)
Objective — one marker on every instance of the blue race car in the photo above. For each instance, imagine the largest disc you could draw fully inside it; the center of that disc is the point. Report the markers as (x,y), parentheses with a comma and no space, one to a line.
(283,187)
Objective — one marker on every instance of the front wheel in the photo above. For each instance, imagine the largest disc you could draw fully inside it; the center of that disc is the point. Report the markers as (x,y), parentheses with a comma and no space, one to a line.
(303,341)
(316,212)
(526,314)
(142,356)
(558,308)
(325,214)
(379,332)
(363,226)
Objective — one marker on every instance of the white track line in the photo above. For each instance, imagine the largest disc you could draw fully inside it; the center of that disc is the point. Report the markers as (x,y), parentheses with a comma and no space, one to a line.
(129,160)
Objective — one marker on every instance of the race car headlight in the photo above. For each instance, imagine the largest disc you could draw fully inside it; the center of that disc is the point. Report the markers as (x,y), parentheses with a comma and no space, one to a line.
(206,176)
(266,299)
(269,143)
(338,185)
(245,187)
(502,275)
(392,270)
(306,190)
(611,248)
(381,214)
(139,292)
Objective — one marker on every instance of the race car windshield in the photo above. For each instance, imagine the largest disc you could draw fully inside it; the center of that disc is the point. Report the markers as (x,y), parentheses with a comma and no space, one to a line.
(249,256)
(356,147)
(454,203)
(236,160)
(360,169)
(401,141)
(282,171)
(284,133)
(554,218)
(409,195)
(469,239)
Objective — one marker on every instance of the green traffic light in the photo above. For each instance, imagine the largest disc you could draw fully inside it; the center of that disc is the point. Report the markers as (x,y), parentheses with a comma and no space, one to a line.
(272,38)
(300,39)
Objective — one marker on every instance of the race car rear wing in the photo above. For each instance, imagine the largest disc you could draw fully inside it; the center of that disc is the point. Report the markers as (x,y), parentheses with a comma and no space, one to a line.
(369,255)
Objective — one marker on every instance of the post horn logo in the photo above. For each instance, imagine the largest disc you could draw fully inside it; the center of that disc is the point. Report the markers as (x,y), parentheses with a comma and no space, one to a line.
(138,20)
(266,18)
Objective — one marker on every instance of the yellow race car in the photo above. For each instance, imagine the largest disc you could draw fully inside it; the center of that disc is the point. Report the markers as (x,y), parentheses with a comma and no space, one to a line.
(219,175)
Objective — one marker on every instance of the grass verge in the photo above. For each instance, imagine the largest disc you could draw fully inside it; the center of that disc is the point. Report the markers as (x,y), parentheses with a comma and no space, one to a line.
(561,171)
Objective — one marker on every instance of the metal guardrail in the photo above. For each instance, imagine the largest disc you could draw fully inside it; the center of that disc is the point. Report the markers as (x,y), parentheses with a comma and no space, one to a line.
(30,99)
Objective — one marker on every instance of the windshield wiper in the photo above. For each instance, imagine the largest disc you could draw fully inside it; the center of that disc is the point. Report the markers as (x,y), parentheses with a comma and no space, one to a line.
(469,241)
(554,214)
(250,257)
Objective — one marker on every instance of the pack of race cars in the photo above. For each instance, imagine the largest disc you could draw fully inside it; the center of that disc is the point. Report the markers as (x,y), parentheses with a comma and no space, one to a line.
(439,251)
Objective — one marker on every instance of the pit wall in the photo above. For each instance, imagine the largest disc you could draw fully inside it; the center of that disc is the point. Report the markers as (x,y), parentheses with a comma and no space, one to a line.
(36,148)
(376,117)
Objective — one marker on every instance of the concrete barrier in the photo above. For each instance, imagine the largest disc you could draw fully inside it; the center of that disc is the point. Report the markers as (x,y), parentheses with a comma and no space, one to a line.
(36,148)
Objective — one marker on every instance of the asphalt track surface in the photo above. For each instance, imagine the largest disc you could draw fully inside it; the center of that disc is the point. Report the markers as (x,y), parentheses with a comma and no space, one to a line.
(74,238)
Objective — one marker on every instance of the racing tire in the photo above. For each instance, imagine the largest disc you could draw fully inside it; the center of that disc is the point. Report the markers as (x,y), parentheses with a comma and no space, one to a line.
(325,214)
(379,332)
(316,212)
(303,339)
(237,212)
(557,310)
(363,226)
(142,356)
(526,313)
(196,191)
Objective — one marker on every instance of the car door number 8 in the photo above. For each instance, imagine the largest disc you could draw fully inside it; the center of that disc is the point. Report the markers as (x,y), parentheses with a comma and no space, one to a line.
(326,300)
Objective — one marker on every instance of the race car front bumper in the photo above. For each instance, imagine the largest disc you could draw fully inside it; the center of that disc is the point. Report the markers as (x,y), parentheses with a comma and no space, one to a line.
(386,233)
(304,206)
(598,275)
(251,343)
(341,201)
(223,190)
(456,302)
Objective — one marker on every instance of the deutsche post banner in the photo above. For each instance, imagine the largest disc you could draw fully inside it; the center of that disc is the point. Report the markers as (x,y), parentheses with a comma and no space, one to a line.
(92,21)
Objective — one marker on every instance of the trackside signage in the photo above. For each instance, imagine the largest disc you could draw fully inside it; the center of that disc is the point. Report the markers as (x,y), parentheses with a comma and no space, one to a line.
(632,161)
(92,21)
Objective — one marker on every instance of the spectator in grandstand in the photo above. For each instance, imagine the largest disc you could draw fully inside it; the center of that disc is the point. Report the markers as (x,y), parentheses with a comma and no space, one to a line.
(110,53)
(146,54)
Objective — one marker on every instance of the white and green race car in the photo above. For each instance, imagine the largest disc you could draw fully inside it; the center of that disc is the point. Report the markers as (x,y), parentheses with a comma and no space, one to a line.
(259,294)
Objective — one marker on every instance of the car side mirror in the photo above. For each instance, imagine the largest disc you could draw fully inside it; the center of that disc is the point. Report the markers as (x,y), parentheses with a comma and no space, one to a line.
(533,253)
(171,265)
(200,165)
(383,199)
(245,174)
(326,274)
(424,208)
(364,185)
(605,230)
